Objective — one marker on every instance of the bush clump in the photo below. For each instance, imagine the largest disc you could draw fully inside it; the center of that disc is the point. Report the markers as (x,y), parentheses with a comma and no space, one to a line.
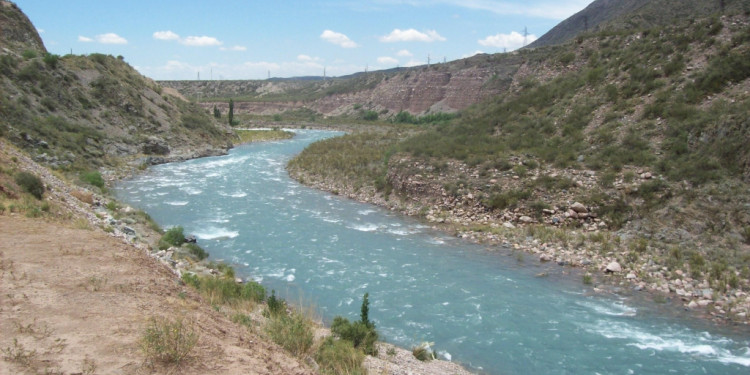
(361,333)
(173,237)
(293,332)
(93,178)
(339,357)
(31,184)
(221,291)
(169,341)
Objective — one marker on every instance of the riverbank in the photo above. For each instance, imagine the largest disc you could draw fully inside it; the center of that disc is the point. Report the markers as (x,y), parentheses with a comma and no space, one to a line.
(91,249)
(610,260)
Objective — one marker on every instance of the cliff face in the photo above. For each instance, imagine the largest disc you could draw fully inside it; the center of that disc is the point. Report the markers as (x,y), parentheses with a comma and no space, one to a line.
(82,112)
(448,87)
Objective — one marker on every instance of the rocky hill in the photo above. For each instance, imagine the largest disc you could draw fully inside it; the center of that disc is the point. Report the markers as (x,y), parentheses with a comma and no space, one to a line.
(83,112)
(438,88)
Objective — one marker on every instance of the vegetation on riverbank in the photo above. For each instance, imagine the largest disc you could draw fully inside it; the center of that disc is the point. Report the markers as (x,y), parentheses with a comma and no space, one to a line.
(261,135)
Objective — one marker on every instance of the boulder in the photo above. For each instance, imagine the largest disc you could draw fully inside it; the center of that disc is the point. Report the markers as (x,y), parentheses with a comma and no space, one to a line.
(579,208)
(613,267)
(630,276)
(526,220)
(191,239)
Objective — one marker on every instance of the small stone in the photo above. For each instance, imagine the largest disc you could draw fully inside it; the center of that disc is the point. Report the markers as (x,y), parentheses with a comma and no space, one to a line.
(646,176)
(692,305)
(508,225)
(545,258)
(128,230)
(526,219)
(630,276)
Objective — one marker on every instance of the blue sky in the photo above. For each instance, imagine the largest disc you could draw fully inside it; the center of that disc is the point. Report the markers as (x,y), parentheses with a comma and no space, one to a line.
(223,39)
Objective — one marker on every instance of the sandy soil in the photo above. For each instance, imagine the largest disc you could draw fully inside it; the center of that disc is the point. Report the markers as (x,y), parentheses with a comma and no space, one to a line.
(76,301)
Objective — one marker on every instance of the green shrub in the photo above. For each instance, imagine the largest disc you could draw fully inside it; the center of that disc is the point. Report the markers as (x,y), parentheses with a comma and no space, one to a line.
(51,60)
(173,237)
(7,64)
(220,291)
(196,251)
(293,332)
(339,357)
(275,306)
(31,184)
(361,333)
(169,341)
(93,178)
(370,116)
(29,54)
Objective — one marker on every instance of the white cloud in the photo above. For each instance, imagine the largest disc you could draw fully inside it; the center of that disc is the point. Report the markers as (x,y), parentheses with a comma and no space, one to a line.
(404,53)
(234,48)
(84,39)
(40,31)
(166,35)
(304,58)
(110,38)
(411,35)
(511,41)
(338,39)
(201,41)
(385,60)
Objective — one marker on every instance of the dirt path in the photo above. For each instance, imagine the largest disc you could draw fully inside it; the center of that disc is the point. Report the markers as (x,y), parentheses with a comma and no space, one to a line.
(76,301)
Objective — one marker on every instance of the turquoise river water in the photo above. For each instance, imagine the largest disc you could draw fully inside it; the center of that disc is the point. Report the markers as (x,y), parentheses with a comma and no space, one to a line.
(483,309)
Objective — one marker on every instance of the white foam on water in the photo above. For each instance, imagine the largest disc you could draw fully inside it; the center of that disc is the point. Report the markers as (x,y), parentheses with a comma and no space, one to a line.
(611,309)
(289,278)
(238,194)
(686,343)
(176,203)
(161,194)
(364,227)
(214,233)
(365,212)
(399,232)
(446,356)
(191,190)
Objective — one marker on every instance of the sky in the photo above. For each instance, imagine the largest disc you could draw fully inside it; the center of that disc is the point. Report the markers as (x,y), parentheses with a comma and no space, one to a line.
(252,39)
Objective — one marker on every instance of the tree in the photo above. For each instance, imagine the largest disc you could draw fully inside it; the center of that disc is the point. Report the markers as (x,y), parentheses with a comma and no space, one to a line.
(366,310)
(231,112)
(217,112)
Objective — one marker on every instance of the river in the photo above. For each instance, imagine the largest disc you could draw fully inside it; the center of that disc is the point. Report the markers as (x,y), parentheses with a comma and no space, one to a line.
(484,309)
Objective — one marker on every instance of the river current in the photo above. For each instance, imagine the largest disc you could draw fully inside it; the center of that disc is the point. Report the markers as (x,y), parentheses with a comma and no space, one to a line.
(484,309)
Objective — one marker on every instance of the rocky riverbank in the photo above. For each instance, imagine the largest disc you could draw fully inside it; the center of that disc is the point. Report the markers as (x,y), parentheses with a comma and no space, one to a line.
(562,231)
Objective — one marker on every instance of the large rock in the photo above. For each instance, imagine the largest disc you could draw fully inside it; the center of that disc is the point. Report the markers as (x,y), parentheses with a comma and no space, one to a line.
(613,267)
(579,208)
